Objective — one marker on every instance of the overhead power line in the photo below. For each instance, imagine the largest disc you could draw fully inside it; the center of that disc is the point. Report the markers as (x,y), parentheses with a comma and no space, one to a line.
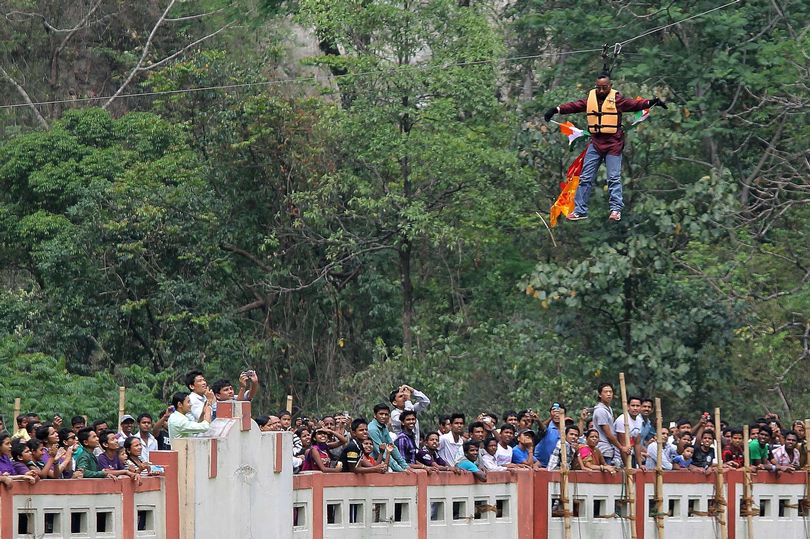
(315,78)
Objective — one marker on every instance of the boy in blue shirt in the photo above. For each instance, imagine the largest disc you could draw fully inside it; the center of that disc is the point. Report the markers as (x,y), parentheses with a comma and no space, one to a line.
(468,462)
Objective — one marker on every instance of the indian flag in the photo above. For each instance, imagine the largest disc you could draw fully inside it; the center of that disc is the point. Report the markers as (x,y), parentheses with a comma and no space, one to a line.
(641,115)
(571,131)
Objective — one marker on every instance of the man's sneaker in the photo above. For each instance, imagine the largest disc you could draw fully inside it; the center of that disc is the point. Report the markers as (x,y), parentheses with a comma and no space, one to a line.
(574,216)
(615,216)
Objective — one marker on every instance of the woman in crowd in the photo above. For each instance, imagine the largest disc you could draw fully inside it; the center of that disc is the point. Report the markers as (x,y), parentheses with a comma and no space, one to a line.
(134,449)
(590,458)
(317,458)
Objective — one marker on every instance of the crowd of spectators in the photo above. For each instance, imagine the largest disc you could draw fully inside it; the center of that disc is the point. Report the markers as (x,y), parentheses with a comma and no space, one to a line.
(393,440)
(37,449)
(599,440)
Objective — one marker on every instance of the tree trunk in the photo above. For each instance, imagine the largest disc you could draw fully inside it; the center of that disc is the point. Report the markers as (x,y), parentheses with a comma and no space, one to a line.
(407,297)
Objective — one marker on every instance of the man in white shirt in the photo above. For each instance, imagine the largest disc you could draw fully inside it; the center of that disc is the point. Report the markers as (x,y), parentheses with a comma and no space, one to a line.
(148,440)
(197,386)
(652,453)
(407,398)
(503,456)
(451,445)
(636,423)
(126,427)
(180,426)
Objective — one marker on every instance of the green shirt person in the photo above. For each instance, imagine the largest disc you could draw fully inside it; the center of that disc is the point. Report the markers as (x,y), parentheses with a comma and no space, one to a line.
(759,450)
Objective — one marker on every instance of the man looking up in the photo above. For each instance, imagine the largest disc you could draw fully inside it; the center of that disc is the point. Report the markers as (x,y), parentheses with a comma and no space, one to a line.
(604,107)
(403,399)
(198,394)
(551,435)
(180,426)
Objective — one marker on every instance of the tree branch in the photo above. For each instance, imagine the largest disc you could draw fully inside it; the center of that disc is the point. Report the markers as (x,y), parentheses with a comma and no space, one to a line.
(26,98)
(146,47)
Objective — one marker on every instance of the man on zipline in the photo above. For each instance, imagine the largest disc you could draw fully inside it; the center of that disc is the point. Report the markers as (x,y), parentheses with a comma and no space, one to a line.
(604,107)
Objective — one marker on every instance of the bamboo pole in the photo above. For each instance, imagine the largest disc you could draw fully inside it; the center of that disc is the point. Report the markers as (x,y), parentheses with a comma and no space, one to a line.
(17,405)
(659,470)
(628,463)
(806,500)
(289,403)
(564,478)
(122,401)
(747,501)
(720,499)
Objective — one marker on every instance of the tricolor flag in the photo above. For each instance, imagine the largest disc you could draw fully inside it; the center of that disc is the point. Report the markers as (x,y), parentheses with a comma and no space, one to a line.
(565,202)
(571,131)
(641,115)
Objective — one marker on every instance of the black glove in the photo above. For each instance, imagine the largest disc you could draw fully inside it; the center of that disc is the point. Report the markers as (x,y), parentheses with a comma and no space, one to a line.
(550,113)
(657,102)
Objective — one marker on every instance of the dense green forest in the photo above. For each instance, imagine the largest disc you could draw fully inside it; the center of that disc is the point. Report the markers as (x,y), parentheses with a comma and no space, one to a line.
(349,195)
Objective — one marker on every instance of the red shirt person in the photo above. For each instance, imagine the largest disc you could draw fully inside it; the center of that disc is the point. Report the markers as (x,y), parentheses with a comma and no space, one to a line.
(603,107)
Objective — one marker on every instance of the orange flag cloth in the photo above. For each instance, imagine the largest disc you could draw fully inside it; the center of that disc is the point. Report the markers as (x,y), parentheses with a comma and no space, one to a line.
(565,202)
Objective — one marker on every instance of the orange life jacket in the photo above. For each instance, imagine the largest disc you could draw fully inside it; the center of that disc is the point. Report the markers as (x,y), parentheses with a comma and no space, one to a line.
(602,118)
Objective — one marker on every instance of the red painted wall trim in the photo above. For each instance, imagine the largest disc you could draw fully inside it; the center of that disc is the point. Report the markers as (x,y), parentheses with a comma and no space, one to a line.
(525,504)
(127,509)
(731,504)
(540,502)
(422,503)
(212,459)
(278,464)
(7,512)
(641,504)
(225,409)
(169,460)
(246,417)
(317,503)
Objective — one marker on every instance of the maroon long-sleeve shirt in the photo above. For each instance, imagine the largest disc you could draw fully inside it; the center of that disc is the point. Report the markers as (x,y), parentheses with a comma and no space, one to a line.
(613,143)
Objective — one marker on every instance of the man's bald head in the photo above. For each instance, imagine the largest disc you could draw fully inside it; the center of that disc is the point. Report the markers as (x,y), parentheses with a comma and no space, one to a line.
(603,85)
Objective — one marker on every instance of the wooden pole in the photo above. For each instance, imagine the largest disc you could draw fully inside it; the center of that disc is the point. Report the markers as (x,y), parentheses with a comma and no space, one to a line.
(17,405)
(806,500)
(628,463)
(289,403)
(659,470)
(564,478)
(747,501)
(720,499)
(122,402)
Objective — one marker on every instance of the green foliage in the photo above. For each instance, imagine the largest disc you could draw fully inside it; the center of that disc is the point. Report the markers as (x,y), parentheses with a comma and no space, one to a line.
(45,386)
(380,226)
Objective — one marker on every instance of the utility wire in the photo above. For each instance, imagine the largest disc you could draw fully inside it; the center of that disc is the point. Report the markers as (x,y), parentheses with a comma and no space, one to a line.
(315,78)
(654,30)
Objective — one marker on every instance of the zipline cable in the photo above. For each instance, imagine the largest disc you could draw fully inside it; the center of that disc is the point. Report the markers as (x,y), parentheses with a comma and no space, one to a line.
(618,46)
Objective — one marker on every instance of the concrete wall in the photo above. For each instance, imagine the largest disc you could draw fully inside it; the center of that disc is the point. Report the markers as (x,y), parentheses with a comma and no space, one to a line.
(238,482)
(235,481)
